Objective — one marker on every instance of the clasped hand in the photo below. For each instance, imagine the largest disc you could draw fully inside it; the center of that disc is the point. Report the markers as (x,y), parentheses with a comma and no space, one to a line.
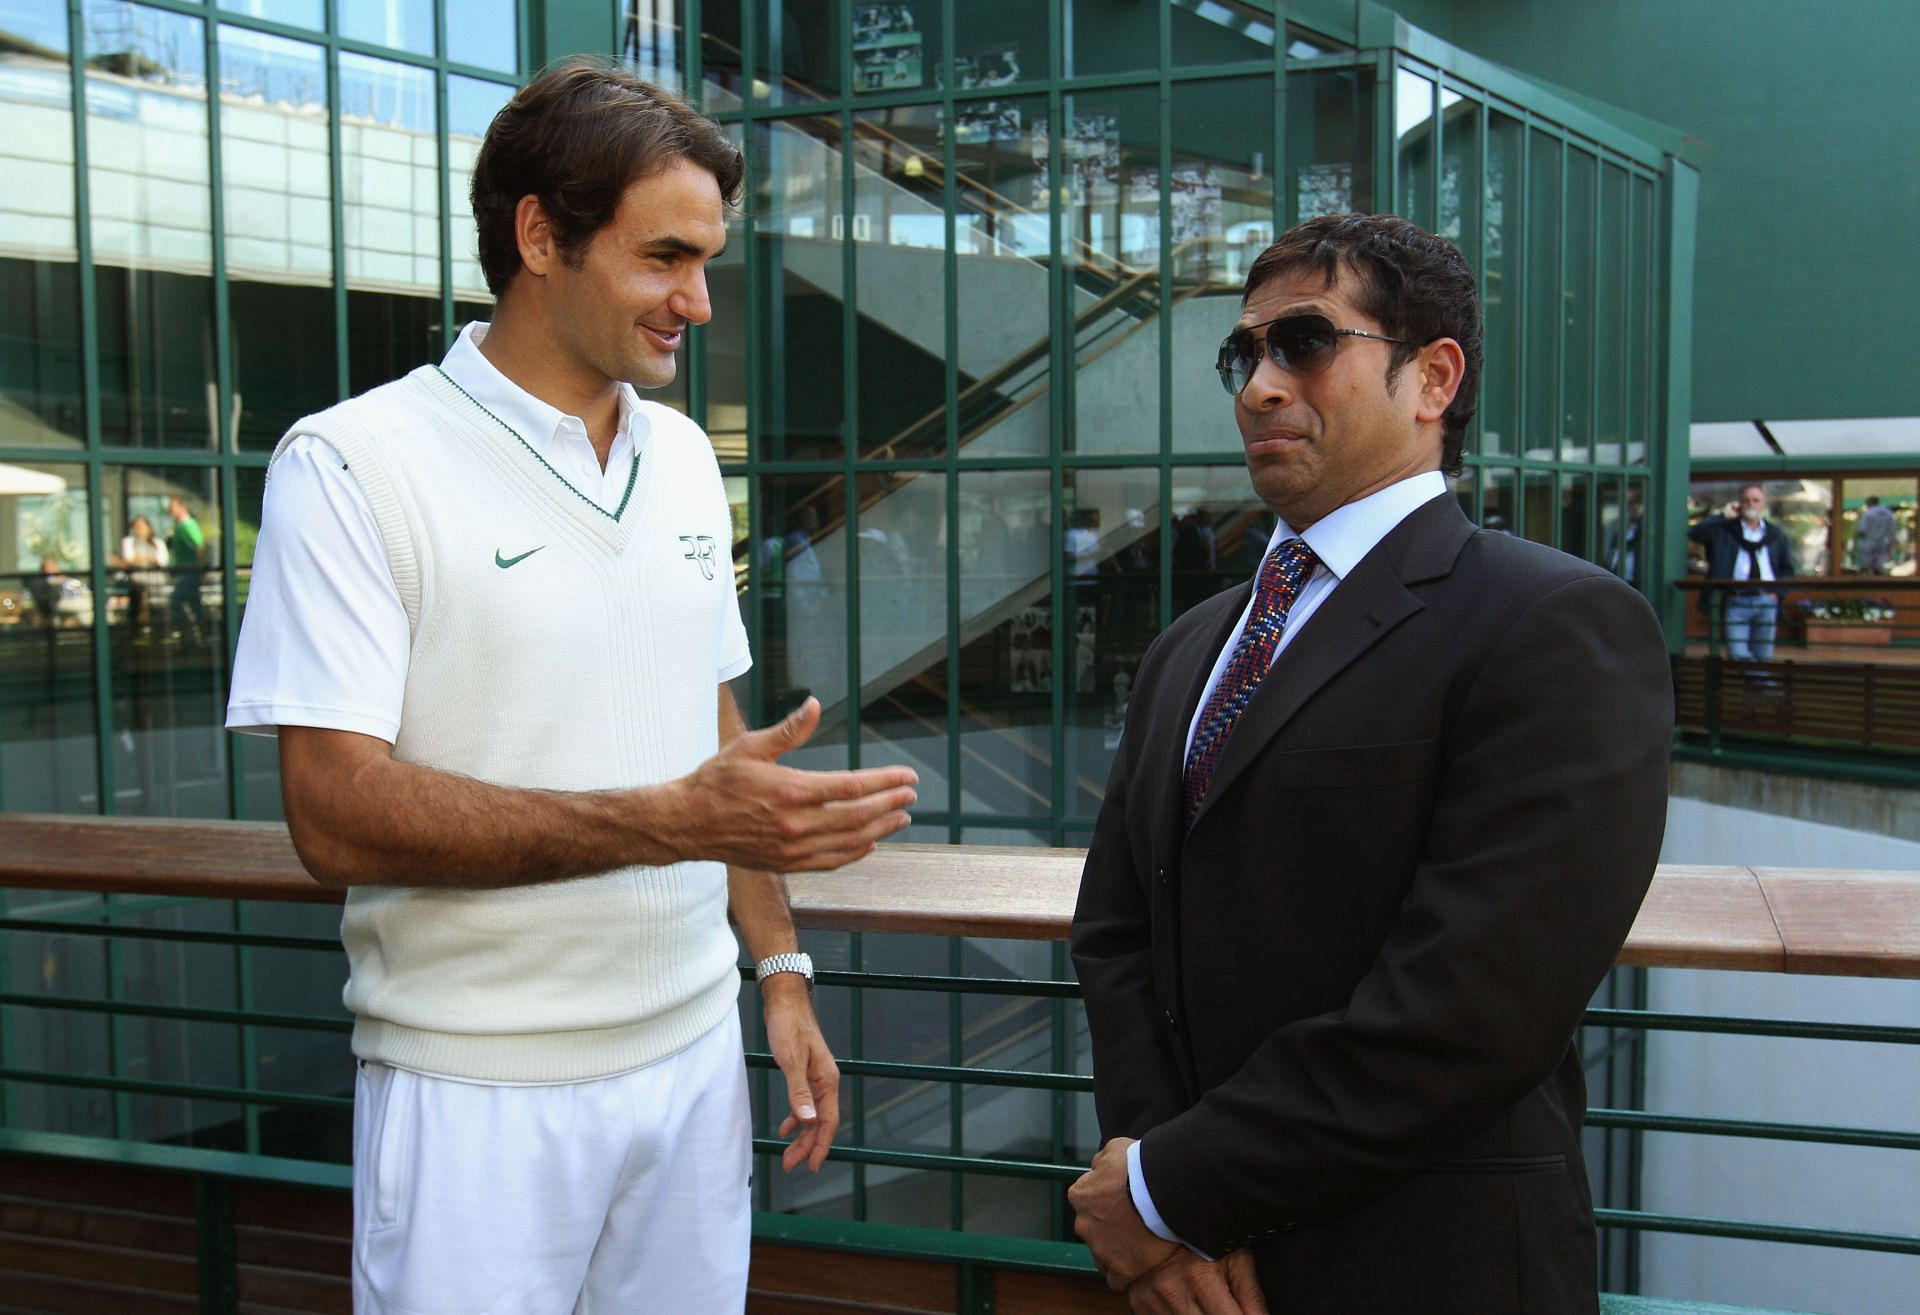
(1158,1276)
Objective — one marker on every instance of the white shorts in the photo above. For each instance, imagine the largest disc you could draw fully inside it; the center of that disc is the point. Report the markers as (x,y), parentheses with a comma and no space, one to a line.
(626,1194)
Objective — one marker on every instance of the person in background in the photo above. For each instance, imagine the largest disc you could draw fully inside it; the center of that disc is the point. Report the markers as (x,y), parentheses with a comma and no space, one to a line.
(187,549)
(1742,544)
(143,556)
(1873,537)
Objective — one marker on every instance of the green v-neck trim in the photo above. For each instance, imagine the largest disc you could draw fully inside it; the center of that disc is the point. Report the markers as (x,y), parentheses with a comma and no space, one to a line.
(633,471)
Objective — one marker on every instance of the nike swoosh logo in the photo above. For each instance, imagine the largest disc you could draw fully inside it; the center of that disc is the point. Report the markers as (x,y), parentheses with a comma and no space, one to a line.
(504,562)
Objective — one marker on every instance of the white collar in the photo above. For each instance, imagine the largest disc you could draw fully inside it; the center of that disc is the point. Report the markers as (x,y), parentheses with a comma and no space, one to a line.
(539,423)
(1348,533)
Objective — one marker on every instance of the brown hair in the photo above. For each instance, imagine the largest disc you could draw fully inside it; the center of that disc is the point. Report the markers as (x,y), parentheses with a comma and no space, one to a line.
(576,137)
(1413,284)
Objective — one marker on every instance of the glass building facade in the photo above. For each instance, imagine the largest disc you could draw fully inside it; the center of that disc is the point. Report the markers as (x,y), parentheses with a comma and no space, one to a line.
(959,379)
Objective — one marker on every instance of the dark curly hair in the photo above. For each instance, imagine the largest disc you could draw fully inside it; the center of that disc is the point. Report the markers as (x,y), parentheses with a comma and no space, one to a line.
(1413,284)
(577,137)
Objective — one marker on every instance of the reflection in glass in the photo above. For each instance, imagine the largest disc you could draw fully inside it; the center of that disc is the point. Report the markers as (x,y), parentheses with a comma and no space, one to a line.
(723,78)
(1110,192)
(1006,644)
(1466,486)
(799,52)
(1642,538)
(799,572)
(1111,566)
(1220,32)
(1413,129)
(899,246)
(1501,278)
(1222,220)
(999,45)
(896,47)
(49,737)
(902,546)
(1877,526)
(799,231)
(147,158)
(1499,511)
(1003,353)
(651,33)
(256,758)
(1459,220)
(396,24)
(1329,143)
(40,380)
(471,105)
(1576,520)
(723,341)
(390,175)
(483,33)
(1220,532)
(168,648)
(277,189)
(295,13)
(1536,505)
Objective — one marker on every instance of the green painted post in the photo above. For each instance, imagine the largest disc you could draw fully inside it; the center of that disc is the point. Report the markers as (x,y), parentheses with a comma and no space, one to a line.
(1670,476)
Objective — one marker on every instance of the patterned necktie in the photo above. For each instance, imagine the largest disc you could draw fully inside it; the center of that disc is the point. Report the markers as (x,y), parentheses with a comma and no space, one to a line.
(1281,575)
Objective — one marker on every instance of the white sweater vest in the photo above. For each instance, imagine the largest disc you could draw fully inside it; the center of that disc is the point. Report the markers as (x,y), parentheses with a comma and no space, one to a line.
(532,611)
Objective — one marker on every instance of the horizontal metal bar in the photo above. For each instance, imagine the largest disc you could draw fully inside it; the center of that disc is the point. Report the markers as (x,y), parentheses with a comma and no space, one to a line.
(1654,1021)
(181,936)
(1645,1121)
(1701,1226)
(982,1077)
(1059,1173)
(179,1090)
(1038,988)
(182,1013)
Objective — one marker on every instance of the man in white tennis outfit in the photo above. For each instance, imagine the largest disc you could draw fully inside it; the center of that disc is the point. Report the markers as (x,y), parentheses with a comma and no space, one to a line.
(491,619)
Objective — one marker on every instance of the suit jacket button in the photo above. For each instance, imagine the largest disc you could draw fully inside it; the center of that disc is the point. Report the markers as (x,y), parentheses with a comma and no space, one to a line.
(1171,1020)
(1163,876)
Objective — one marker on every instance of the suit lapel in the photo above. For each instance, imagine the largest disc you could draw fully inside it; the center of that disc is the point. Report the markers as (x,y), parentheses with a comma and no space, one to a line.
(1165,759)
(1372,600)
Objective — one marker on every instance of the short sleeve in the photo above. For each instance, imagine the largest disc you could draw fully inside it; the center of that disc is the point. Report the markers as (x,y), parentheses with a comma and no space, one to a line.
(325,639)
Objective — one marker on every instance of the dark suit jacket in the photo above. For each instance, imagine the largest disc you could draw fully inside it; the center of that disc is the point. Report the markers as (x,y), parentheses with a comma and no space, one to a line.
(1340,1010)
(1722,538)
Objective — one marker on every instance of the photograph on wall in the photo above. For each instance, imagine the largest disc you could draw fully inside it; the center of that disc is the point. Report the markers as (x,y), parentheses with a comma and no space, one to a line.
(987,121)
(1325,189)
(1030,652)
(1089,159)
(887,47)
(987,66)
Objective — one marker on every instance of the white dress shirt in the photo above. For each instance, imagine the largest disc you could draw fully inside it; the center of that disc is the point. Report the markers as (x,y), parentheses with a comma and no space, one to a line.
(1742,561)
(326,639)
(1340,540)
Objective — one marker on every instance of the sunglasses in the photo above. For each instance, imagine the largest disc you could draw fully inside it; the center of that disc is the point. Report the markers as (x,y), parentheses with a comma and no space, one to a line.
(1300,344)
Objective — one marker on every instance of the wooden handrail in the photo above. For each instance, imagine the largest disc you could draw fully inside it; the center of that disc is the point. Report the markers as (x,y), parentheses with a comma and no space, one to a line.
(1755,919)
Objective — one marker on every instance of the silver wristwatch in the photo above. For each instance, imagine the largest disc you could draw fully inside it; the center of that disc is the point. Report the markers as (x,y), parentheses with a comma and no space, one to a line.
(785,963)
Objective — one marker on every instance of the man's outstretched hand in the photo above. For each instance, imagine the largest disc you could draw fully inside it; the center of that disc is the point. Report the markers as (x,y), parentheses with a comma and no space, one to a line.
(742,807)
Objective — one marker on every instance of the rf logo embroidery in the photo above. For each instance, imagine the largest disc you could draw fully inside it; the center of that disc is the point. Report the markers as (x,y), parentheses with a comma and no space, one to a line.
(699,549)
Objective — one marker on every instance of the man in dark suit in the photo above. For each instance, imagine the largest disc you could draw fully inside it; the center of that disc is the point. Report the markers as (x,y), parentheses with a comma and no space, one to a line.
(1377,827)
(1742,544)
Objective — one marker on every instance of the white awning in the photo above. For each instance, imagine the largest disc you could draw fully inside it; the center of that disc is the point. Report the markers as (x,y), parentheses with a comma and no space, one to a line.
(18,481)
(1892,436)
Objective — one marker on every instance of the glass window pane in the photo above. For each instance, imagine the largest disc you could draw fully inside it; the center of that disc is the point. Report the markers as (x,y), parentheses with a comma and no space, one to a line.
(1642,538)
(996,45)
(1002,284)
(1112,36)
(799,51)
(40,380)
(1465,488)
(723,341)
(1221,31)
(902,545)
(277,189)
(1499,509)
(652,36)
(471,105)
(1576,310)
(1877,525)
(1112,572)
(1413,130)
(800,573)
(49,737)
(723,78)
(1220,532)
(1536,505)
(1006,644)
(1576,521)
(295,13)
(396,24)
(1500,280)
(899,247)
(896,46)
(1459,220)
(390,172)
(169,670)
(484,33)
(1610,346)
(1329,143)
(1642,308)
(1110,190)
(147,157)
(799,231)
(1222,221)
(1543,295)
(255,757)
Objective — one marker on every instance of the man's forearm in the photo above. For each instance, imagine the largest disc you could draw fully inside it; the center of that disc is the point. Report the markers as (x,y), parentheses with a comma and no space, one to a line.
(757,902)
(386,822)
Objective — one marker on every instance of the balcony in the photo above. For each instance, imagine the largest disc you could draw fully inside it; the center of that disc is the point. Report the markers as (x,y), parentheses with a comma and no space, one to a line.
(199,1191)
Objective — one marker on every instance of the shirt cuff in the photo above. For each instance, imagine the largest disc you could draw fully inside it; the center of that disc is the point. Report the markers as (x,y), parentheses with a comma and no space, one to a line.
(1143,1202)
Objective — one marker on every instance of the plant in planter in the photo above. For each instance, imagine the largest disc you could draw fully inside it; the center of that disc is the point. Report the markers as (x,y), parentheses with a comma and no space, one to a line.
(1847,620)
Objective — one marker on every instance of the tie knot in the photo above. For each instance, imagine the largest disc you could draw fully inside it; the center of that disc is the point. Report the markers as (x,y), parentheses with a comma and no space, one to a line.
(1288,565)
